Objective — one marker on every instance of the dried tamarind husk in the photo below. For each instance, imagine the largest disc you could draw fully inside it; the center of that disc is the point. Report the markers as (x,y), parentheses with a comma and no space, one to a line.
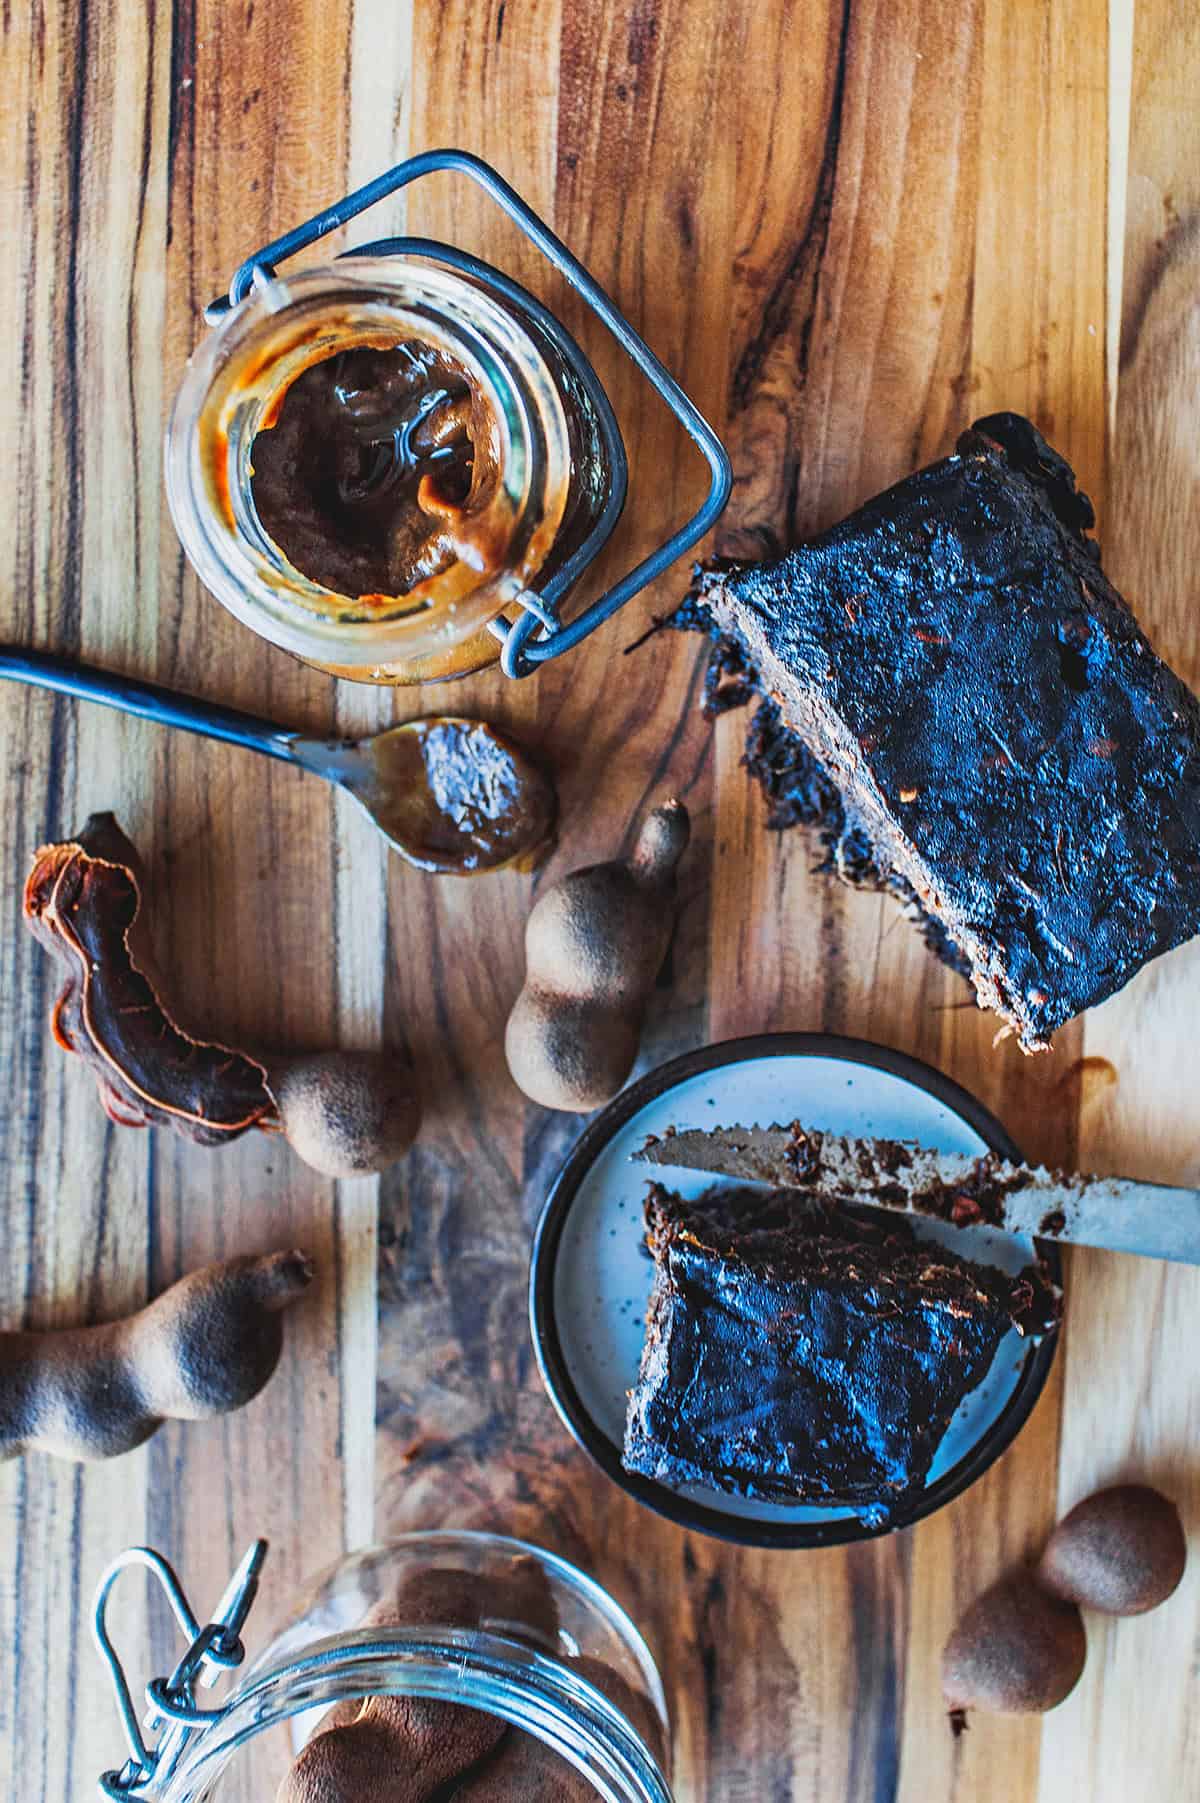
(1016,1650)
(345,1113)
(1122,1550)
(523,1767)
(595,942)
(638,1711)
(83,898)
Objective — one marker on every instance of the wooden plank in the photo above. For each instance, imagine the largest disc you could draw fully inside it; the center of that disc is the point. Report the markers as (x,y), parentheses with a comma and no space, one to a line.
(260,890)
(446,1382)
(1131,1729)
(854,349)
(81,304)
(1037,345)
(450,1229)
(829,392)
(123,215)
(910,305)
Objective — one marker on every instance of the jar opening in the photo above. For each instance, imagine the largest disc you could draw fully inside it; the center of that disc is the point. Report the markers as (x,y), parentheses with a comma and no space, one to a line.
(369,463)
(529,1691)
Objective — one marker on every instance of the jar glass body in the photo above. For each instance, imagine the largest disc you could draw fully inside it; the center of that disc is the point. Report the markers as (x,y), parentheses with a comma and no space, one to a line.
(552,474)
(553,1657)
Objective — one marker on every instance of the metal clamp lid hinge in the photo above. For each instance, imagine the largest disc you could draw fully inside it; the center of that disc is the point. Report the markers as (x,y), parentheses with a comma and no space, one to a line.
(174,1718)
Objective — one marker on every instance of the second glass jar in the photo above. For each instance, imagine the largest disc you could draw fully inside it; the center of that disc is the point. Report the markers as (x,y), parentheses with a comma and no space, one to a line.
(564,1688)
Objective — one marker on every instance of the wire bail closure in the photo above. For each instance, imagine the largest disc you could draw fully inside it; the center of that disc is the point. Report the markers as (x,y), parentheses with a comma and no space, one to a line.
(174,1714)
(539,633)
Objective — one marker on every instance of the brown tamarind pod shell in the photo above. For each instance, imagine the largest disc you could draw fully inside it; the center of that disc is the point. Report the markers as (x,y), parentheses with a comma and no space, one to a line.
(204,1347)
(1017,1650)
(82,901)
(219,1332)
(404,1749)
(347,1763)
(347,1114)
(524,1768)
(1121,1550)
(594,945)
(636,1709)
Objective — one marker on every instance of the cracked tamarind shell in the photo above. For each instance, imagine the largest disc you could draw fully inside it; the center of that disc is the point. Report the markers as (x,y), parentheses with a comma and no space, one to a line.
(83,902)
(1016,1651)
(1121,1551)
(345,1113)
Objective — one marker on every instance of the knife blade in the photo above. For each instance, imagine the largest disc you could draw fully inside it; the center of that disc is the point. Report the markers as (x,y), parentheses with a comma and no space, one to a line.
(1152,1220)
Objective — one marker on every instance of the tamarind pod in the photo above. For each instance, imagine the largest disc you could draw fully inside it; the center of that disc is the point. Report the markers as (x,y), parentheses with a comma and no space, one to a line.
(430,1742)
(514,1765)
(83,899)
(638,1711)
(594,945)
(523,1768)
(406,1749)
(341,1715)
(347,1764)
(345,1113)
(204,1347)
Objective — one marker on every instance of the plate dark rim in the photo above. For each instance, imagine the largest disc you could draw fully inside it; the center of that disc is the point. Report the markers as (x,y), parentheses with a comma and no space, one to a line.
(548,1347)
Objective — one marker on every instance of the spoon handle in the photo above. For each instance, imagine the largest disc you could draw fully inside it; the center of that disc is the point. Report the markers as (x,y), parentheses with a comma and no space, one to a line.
(46,670)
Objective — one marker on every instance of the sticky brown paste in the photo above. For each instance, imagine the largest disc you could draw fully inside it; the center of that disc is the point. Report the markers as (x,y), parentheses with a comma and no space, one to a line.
(373,471)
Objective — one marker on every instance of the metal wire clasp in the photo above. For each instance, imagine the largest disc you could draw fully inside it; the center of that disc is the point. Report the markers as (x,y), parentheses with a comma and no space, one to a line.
(174,1716)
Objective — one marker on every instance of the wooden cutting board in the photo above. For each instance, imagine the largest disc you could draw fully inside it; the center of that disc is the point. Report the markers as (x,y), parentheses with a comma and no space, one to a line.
(849,228)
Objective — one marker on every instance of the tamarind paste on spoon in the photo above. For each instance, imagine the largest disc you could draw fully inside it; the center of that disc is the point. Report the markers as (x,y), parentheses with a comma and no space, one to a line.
(458,796)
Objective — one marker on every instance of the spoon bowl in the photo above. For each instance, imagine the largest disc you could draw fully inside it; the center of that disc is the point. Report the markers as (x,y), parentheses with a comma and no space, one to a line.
(453,796)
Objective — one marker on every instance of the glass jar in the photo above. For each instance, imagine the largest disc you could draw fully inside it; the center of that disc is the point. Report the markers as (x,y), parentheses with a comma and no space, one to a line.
(548,475)
(552,1656)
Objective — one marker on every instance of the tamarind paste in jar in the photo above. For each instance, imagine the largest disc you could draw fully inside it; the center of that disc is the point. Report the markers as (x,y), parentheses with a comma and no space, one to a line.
(376,465)
(376,469)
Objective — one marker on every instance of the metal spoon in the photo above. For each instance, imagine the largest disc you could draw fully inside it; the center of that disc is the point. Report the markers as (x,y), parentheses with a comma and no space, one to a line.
(449,794)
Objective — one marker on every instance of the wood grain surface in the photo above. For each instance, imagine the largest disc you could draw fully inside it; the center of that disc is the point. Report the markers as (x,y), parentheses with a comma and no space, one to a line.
(848,226)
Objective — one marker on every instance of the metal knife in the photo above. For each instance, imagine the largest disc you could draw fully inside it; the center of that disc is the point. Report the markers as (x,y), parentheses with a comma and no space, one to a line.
(1151,1219)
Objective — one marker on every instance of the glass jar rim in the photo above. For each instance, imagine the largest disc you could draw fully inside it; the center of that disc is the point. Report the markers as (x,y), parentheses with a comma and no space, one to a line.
(522,395)
(532,1691)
